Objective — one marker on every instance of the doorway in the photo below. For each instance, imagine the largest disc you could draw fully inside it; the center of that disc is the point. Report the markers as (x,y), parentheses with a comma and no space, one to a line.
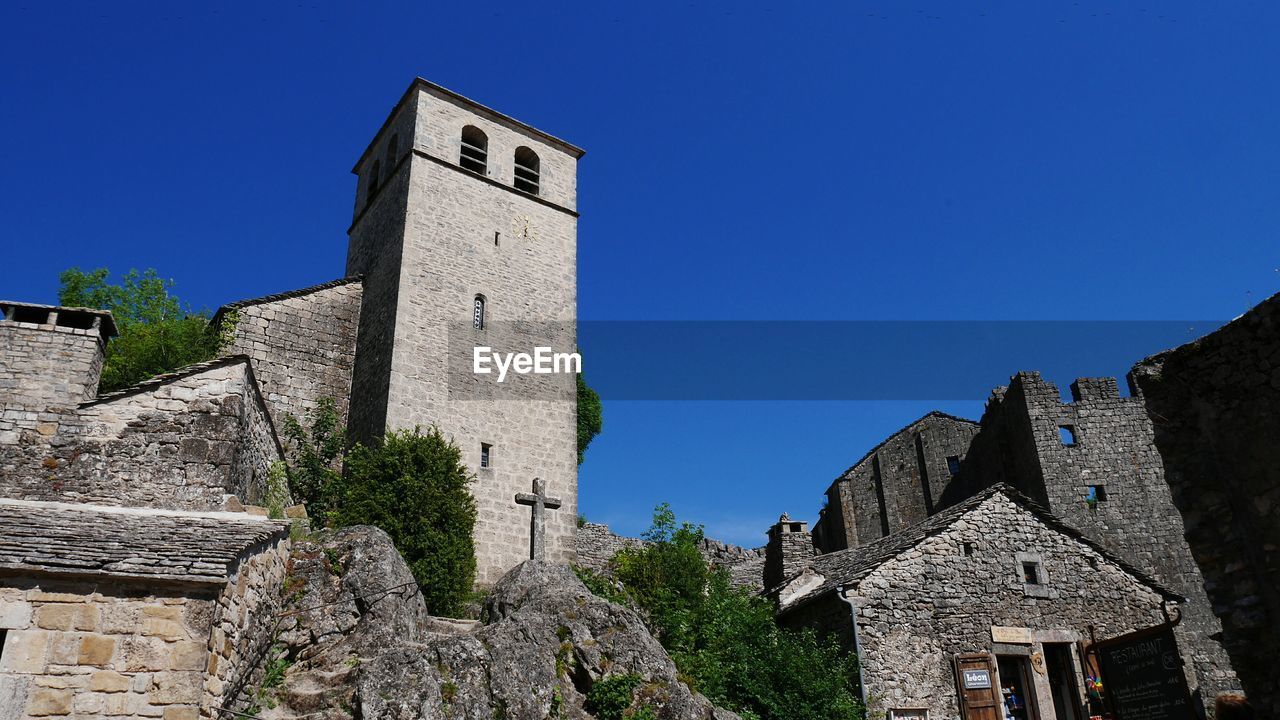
(1062,681)
(1017,690)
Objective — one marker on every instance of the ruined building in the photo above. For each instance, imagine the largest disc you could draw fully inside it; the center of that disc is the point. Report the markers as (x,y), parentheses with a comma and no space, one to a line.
(140,573)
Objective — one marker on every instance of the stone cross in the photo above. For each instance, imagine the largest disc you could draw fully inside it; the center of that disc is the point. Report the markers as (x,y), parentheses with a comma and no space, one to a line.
(540,503)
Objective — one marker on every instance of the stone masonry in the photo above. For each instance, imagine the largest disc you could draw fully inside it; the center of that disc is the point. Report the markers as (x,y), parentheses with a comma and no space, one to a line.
(596,545)
(429,237)
(1215,408)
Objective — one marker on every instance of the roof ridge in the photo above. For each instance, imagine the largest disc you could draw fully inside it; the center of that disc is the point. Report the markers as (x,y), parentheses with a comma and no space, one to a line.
(899,431)
(165,378)
(276,297)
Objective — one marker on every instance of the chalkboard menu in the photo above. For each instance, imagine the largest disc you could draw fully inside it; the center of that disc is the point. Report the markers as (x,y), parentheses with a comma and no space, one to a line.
(1142,676)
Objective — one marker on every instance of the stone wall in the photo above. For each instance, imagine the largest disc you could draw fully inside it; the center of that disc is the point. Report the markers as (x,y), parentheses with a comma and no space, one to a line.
(920,609)
(1021,442)
(246,619)
(44,366)
(596,545)
(897,484)
(1215,408)
(302,345)
(182,443)
(788,551)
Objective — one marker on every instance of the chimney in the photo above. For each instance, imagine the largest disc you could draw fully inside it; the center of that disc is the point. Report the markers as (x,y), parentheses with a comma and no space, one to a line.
(789,550)
(50,358)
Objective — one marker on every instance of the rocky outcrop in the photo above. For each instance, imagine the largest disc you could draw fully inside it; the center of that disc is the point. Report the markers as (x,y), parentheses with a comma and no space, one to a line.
(364,646)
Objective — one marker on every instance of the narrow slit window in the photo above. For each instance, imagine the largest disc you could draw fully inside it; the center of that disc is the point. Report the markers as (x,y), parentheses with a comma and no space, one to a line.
(486,455)
(1067,434)
(953,465)
(477,313)
(528,170)
(474,153)
(393,150)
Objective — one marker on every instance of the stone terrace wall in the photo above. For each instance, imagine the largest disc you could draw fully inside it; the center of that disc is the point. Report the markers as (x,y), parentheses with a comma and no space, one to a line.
(931,602)
(181,444)
(597,544)
(302,344)
(1215,407)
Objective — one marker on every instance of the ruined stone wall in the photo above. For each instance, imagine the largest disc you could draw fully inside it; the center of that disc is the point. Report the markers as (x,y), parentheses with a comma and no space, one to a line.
(1215,408)
(1114,449)
(596,545)
(899,483)
(302,345)
(102,650)
(44,367)
(246,619)
(184,444)
(917,611)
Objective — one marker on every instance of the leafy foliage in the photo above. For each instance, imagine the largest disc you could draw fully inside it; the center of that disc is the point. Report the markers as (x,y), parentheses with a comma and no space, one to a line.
(610,697)
(315,456)
(157,333)
(415,487)
(590,416)
(724,640)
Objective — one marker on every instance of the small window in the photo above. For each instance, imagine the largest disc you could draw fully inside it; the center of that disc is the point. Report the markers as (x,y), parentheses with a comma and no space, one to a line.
(371,185)
(1094,494)
(527,170)
(477,313)
(1067,434)
(486,455)
(1030,572)
(953,465)
(969,549)
(474,154)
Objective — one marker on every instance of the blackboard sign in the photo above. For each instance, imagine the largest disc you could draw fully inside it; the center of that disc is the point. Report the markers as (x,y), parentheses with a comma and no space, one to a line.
(974,679)
(1142,676)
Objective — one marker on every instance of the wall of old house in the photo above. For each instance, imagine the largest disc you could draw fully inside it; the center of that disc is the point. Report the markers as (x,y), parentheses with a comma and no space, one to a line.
(1214,405)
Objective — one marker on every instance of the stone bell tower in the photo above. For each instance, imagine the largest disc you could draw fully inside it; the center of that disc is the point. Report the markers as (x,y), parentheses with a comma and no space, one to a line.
(465,226)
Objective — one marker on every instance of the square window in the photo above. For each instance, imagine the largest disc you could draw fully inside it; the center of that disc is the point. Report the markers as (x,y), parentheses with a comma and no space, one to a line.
(1095,494)
(1030,572)
(969,549)
(953,465)
(1067,434)
(486,455)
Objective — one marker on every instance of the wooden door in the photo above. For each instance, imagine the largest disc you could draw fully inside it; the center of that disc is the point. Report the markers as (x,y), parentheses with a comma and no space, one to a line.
(978,687)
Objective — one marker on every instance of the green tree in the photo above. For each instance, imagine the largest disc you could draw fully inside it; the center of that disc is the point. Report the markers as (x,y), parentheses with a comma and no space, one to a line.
(590,416)
(315,456)
(724,639)
(415,487)
(157,333)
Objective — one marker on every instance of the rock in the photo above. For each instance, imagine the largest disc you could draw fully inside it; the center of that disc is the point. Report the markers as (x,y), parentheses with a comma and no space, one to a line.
(543,641)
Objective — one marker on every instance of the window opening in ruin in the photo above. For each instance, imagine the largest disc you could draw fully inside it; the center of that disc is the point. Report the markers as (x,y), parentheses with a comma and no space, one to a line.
(953,465)
(486,455)
(1031,573)
(477,313)
(474,153)
(1067,433)
(1095,494)
(527,170)
(969,549)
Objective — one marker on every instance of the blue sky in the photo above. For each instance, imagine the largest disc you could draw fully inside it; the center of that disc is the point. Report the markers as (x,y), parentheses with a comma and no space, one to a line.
(746,161)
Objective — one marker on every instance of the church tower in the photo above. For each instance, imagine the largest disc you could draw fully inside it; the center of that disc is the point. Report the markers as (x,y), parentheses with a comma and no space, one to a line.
(465,226)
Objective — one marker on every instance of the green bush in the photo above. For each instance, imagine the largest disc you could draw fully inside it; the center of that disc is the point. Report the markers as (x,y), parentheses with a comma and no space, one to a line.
(610,697)
(724,640)
(590,416)
(157,334)
(315,456)
(415,487)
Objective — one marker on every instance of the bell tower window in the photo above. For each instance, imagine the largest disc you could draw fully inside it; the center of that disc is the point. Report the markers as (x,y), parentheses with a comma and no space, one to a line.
(527,170)
(474,153)
(371,185)
(477,313)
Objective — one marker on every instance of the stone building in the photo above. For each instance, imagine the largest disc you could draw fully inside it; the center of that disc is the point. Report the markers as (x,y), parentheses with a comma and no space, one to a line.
(898,483)
(1215,408)
(995,577)
(140,572)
